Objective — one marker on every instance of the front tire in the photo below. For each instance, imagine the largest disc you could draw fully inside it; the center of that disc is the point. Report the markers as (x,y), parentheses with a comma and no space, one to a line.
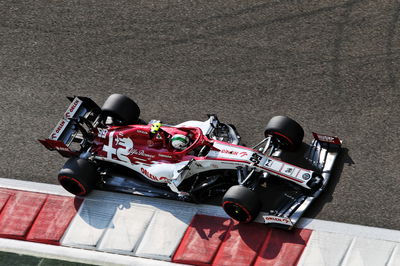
(288,132)
(78,176)
(241,203)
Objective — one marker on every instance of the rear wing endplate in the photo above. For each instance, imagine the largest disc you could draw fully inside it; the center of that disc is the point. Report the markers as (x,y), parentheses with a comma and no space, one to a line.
(66,130)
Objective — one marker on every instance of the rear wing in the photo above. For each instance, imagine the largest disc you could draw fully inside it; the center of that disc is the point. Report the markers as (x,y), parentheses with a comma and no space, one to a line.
(81,112)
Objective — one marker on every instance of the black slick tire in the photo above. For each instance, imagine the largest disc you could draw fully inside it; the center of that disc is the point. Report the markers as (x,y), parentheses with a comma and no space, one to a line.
(241,204)
(121,108)
(78,176)
(289,133)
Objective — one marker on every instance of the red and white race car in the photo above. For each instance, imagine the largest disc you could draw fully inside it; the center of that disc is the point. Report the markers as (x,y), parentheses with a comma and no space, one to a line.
(112,148)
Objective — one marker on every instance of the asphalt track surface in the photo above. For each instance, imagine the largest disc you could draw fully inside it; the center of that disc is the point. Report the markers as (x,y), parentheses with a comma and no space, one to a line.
(331,65)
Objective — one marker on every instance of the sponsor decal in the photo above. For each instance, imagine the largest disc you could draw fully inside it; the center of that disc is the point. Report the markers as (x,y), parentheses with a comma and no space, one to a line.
(214,166)
(72,108)
(229,152)
(67,115)
(142,132)
(268,163)
(122,152)
(151,176)
(241,154)
(74,105)
(60,126)
(57,145)
(165,156)
(276,219)
(141,153)
(62,148)
(325,138)
(58,129)
(289,170)
(306,176)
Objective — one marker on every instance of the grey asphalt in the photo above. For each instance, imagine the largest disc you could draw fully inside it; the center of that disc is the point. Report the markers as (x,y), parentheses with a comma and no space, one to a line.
(331,65)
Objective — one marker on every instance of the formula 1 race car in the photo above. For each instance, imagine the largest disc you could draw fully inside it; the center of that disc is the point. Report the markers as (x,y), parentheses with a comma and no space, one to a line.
(111,148)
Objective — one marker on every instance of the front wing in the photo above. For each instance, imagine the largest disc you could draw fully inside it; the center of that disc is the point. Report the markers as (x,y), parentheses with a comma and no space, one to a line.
(292,204)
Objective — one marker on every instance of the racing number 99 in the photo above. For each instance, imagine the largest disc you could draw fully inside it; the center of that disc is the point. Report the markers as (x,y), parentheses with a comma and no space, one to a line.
(255,158)
(102,133)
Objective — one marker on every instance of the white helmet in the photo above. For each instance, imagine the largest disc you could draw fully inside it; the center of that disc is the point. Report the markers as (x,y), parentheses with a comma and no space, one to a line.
(179,141)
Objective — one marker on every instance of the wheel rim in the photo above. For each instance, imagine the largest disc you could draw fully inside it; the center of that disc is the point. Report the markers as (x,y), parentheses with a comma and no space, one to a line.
(72,185)
(237,211)
(286,141)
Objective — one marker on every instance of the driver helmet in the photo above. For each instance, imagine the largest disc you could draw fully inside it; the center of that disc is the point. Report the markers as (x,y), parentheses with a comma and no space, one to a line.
(179,141)
(155,127)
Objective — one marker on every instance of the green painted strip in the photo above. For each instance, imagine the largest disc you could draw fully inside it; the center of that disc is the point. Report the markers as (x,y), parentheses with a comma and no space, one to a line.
(8,258)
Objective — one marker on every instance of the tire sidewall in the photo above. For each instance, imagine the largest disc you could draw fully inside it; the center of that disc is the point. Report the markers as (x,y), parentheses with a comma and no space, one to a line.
(288,131)
(243,198)
(122,108)
(78,176)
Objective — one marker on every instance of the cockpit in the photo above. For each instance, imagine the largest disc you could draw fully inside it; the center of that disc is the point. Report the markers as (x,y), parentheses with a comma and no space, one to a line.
(160,142)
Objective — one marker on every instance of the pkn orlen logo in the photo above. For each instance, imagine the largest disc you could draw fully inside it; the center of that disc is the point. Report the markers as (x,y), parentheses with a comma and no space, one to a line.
(229,152)
(67,114)
(58,129)
(243,154)
(151,176)
(276,219)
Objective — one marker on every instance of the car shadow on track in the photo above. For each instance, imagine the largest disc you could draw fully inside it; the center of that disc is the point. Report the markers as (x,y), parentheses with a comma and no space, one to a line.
(245,242)
(102,209)
(327,195)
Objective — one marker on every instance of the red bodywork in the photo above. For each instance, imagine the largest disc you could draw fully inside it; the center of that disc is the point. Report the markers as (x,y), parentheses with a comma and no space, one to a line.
(147,147)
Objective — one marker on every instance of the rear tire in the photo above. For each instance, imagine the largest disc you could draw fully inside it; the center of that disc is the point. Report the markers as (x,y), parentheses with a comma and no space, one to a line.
(241,204)
(289,133)
(78,176)
(121,108)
